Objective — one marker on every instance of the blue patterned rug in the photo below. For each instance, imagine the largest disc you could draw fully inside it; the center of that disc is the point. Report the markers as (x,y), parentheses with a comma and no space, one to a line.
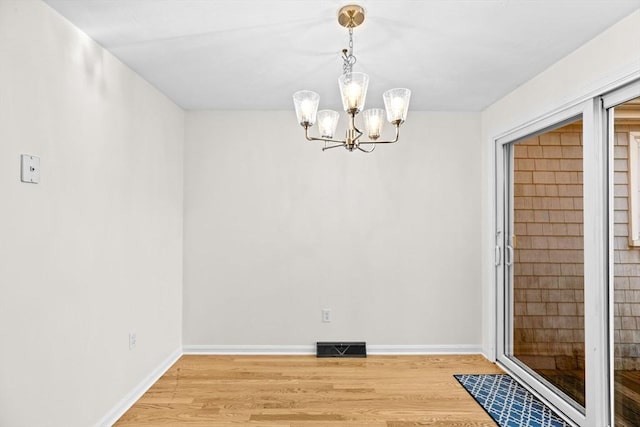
(508,403)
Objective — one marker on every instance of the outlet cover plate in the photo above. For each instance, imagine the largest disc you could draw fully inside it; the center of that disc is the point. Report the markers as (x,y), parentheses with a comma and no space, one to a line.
(30,169)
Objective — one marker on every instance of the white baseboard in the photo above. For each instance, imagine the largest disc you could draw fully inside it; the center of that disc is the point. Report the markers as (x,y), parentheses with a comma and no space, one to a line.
(311,349)
(389,350)
(275,350)
(127,402)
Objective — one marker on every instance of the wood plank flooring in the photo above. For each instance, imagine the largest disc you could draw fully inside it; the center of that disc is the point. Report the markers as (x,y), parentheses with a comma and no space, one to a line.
(627,398)
(304,391)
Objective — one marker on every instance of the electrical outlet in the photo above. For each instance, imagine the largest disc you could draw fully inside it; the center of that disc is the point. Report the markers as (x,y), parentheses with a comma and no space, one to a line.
(30,168)
(326,315)
(132,340)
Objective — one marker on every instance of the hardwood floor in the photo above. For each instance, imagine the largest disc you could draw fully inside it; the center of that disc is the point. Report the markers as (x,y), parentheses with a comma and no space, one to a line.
(627,398)
(303,391)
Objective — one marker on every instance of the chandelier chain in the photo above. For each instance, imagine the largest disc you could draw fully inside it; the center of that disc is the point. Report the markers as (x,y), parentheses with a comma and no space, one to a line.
(348,56)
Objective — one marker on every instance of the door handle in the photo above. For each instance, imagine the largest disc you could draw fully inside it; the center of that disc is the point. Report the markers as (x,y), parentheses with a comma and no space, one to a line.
(498,251)
(509,260)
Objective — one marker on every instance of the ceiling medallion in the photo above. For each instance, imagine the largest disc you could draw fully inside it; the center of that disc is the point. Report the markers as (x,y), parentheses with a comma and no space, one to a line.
(353,90)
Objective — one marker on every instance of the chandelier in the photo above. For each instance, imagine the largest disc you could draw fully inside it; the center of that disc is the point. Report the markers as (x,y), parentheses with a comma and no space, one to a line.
(353,90)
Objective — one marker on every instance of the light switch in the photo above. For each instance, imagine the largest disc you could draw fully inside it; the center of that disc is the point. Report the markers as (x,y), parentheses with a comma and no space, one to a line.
(30,170)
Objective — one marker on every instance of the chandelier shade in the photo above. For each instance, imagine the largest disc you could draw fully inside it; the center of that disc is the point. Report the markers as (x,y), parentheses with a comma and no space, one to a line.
(373,122)
(353,93)
(353,90)
(327,123)
(396,102)
(306,104)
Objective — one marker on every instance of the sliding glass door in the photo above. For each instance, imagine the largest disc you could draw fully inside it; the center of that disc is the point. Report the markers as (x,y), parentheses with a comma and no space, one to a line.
(543,294)
(546,280)
(623,140)
(567,241)
(549,222)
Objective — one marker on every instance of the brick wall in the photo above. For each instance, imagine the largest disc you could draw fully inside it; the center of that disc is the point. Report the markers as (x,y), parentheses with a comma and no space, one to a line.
(548,269)
(626,260)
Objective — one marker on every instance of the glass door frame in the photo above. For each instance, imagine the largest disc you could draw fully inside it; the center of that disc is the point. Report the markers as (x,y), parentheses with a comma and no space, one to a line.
(596,271)
(609,101)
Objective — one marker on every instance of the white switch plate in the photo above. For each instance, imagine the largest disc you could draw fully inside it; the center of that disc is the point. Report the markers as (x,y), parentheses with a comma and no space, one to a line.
(30,168)
(133,340)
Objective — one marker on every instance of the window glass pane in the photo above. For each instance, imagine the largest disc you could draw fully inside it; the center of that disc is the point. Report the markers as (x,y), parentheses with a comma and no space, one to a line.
(547,240)
(626,256)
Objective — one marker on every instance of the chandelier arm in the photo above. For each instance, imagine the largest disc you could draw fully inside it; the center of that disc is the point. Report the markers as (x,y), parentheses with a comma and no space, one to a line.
(353,126)
(366,151)
(384,142)
(313,138)
(360,133)
(333,146)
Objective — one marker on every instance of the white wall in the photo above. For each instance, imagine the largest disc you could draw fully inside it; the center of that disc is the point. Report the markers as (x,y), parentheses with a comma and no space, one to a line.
(276,230)
(95,249)
(610,58)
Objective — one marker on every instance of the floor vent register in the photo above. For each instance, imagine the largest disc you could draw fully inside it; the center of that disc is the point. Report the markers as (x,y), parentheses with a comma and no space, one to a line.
(341,349)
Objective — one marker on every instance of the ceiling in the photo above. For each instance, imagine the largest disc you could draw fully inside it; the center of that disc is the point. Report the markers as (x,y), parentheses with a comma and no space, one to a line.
(455,55)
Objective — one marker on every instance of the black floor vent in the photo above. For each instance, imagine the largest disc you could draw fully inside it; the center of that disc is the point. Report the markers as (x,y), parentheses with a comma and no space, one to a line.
(341,349)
